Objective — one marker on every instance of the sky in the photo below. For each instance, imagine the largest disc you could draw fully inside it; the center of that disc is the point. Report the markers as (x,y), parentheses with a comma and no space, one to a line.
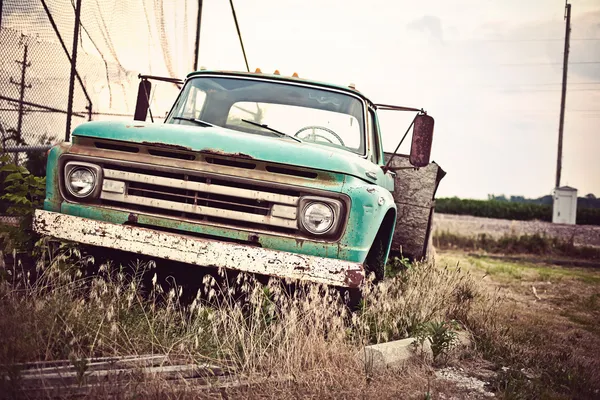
(489,72)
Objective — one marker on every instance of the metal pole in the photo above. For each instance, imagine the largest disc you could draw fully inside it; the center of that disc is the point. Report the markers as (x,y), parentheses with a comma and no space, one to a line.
(73,69)
(62,43)
(197,47)
(239,34)
(563,96)
(22,88)
(1,7)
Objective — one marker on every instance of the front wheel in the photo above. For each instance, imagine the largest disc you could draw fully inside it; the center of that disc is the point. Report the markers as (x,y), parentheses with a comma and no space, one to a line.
(375,261)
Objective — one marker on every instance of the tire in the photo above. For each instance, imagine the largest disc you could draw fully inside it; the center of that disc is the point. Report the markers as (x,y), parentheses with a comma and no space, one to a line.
(375,262)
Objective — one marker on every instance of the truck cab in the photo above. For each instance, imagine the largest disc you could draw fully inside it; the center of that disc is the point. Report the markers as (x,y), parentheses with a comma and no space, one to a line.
(254,172)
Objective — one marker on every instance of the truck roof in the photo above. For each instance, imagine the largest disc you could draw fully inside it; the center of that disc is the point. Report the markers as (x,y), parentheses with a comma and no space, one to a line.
(280,78)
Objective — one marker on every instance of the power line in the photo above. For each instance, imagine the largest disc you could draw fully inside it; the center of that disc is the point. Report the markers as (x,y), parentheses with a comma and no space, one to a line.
(518,40)
(535,64)
(552,90)
(237,26)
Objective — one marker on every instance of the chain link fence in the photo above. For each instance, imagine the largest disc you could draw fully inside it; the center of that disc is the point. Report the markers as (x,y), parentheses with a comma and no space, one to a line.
(116,42)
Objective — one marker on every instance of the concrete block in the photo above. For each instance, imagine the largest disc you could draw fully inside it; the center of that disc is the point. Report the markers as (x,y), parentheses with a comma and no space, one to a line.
(398,352)
(393,353)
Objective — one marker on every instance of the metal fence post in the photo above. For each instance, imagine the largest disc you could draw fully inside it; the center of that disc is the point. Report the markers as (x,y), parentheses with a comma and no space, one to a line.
(73,69)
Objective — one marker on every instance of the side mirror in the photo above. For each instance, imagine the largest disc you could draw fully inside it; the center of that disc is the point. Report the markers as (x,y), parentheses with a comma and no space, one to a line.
(142,104)
(422,138)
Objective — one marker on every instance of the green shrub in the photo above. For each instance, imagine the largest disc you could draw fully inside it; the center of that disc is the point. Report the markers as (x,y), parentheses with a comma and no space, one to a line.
(513,244)
(23,192)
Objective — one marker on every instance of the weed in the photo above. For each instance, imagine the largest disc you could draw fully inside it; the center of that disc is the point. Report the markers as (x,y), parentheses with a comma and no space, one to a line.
(24,193)
(442,337)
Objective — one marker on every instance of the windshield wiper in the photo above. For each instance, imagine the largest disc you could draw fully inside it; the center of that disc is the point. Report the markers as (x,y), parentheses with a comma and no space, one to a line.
(271,129)
(198,121)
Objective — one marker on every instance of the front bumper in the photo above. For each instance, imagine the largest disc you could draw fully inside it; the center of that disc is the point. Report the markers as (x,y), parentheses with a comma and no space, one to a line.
(199,251)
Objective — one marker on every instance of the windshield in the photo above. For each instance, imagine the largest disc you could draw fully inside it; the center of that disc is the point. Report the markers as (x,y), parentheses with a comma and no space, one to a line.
(325,117)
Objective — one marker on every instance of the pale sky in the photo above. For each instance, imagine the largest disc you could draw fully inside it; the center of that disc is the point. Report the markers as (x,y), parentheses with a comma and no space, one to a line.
(488,71)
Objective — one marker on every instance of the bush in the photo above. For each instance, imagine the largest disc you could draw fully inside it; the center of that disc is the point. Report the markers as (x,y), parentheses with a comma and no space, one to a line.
(510,210)
(513,244)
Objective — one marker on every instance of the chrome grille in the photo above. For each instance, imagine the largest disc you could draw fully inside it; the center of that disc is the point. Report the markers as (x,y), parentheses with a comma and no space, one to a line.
(199,197)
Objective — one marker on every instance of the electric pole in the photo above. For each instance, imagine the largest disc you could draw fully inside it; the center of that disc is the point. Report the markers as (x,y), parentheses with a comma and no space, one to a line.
(561,124)
(22,86)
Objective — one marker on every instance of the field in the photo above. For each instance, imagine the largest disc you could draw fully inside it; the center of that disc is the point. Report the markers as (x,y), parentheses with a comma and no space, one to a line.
(532,325)
(465,225)
(525,295)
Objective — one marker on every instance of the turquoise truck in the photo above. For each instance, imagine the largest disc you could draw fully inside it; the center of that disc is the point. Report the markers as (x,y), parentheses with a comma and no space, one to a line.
(263,173)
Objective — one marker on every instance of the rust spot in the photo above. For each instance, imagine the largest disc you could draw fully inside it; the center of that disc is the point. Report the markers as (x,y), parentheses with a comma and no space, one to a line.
(167,146)
(353,278)
(133,218)
(222,153)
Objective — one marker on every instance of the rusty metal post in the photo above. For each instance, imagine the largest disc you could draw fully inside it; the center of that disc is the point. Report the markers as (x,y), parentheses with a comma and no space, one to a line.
(563,96)
(73,69)
(197,47)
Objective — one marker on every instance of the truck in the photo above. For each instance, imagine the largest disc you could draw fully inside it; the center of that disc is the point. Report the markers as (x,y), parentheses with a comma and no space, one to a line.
(267,174)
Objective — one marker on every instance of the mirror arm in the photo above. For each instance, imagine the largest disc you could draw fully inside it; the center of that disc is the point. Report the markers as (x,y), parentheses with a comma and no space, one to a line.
(386,167)
(393,169)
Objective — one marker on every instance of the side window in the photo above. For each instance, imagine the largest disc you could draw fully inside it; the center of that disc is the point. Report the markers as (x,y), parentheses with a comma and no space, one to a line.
(374,137)
(194,104)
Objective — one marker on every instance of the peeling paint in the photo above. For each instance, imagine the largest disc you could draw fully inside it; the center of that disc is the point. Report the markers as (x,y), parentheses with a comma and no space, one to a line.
(167,146)
(225,154)
(199,251)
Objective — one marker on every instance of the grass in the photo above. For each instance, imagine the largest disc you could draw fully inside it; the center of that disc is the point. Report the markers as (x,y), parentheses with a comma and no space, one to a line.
(255,329)
(549,346)
(304,342)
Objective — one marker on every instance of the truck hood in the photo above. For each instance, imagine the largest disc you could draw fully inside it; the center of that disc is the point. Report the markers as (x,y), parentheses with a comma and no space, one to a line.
(230,142)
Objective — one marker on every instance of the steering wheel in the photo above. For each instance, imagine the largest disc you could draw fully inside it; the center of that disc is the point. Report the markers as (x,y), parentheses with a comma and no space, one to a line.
(313,127)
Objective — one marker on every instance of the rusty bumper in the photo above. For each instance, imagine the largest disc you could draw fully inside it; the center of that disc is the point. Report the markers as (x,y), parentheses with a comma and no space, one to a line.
(199,251)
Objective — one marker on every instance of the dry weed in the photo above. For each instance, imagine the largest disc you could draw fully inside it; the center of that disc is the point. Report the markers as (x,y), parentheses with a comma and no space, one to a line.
(307,333)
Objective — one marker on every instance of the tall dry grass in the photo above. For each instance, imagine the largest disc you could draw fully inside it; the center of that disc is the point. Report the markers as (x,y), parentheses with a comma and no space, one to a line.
(255,329)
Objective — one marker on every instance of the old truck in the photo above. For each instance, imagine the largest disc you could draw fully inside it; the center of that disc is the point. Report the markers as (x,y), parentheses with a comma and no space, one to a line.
(264,173)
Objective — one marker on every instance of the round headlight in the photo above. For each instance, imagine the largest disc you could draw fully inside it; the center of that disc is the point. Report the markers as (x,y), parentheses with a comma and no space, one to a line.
(318,218)
(81,181)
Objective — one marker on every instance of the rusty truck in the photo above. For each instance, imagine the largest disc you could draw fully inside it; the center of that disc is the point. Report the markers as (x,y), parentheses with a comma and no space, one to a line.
(263,173)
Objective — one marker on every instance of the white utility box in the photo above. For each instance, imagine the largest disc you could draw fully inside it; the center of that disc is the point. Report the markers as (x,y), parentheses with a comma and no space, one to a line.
(564,210)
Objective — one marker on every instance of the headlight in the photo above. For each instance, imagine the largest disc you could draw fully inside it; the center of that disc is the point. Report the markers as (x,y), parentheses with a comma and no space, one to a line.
(318,218)
(82,179)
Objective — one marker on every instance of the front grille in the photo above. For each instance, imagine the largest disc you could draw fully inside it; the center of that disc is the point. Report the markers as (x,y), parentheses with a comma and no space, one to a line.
(196,197)
(199,197)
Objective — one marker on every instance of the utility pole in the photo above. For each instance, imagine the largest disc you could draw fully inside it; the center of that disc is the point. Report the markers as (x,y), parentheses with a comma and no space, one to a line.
(197,47)
(22,86)
(563,97)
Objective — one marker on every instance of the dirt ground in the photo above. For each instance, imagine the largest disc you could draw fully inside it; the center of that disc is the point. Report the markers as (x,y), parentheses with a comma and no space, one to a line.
(552,335)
